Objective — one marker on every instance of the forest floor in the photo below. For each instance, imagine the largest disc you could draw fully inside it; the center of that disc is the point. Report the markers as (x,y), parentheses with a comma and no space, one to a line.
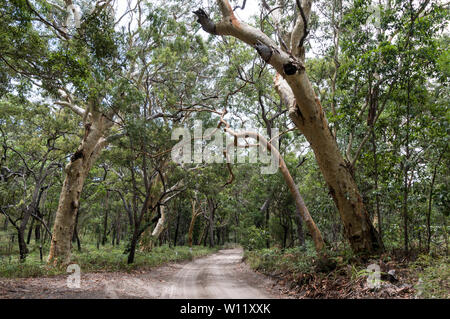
(220,275)
(268,273)
(400,277)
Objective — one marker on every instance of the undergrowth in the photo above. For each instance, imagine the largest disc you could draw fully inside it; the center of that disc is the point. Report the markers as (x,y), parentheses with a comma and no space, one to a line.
(433,276)
(91,259)
(428,276)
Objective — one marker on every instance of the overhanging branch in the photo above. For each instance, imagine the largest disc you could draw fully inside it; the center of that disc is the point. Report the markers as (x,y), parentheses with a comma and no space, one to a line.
(283,62)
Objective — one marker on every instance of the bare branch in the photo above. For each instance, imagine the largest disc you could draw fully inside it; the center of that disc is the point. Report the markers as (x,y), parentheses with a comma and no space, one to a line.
(69,103)
(9,218)
(241,7)
(300,31)
(51,25)
(305,24)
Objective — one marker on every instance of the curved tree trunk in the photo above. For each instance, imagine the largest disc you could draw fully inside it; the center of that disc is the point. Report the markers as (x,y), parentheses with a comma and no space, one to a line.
(337,173)
(76,172)
(305,110)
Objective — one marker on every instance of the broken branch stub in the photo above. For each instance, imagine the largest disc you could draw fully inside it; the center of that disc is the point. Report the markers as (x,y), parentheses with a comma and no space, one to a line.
(207,24)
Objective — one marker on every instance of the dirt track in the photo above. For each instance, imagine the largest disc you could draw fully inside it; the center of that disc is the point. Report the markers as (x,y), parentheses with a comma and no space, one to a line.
(221,275)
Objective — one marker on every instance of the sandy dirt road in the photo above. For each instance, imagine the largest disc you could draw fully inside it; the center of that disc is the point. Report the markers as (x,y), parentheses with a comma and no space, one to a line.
(217,276)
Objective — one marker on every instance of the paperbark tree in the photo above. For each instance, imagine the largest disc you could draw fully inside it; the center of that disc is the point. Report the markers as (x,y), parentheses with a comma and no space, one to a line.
(306,112)
(98,118)
(96,123)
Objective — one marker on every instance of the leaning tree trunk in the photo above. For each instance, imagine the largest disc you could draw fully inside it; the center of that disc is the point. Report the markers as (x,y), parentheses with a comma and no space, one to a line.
(30,232)
(305,110)
(159,226)
(76,172)
(337,173)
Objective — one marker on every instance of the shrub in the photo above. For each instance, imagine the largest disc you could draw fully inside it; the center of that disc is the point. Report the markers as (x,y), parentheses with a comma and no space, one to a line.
(254,238)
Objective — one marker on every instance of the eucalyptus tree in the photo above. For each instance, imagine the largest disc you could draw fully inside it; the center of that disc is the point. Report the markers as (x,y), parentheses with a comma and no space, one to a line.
(71,64)
(305,110)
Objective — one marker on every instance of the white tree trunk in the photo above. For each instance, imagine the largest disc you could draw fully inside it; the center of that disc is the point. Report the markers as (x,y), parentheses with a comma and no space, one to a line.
(76,172)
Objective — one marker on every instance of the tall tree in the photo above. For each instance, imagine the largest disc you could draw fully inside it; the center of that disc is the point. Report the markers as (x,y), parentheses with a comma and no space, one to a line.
(305,110)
